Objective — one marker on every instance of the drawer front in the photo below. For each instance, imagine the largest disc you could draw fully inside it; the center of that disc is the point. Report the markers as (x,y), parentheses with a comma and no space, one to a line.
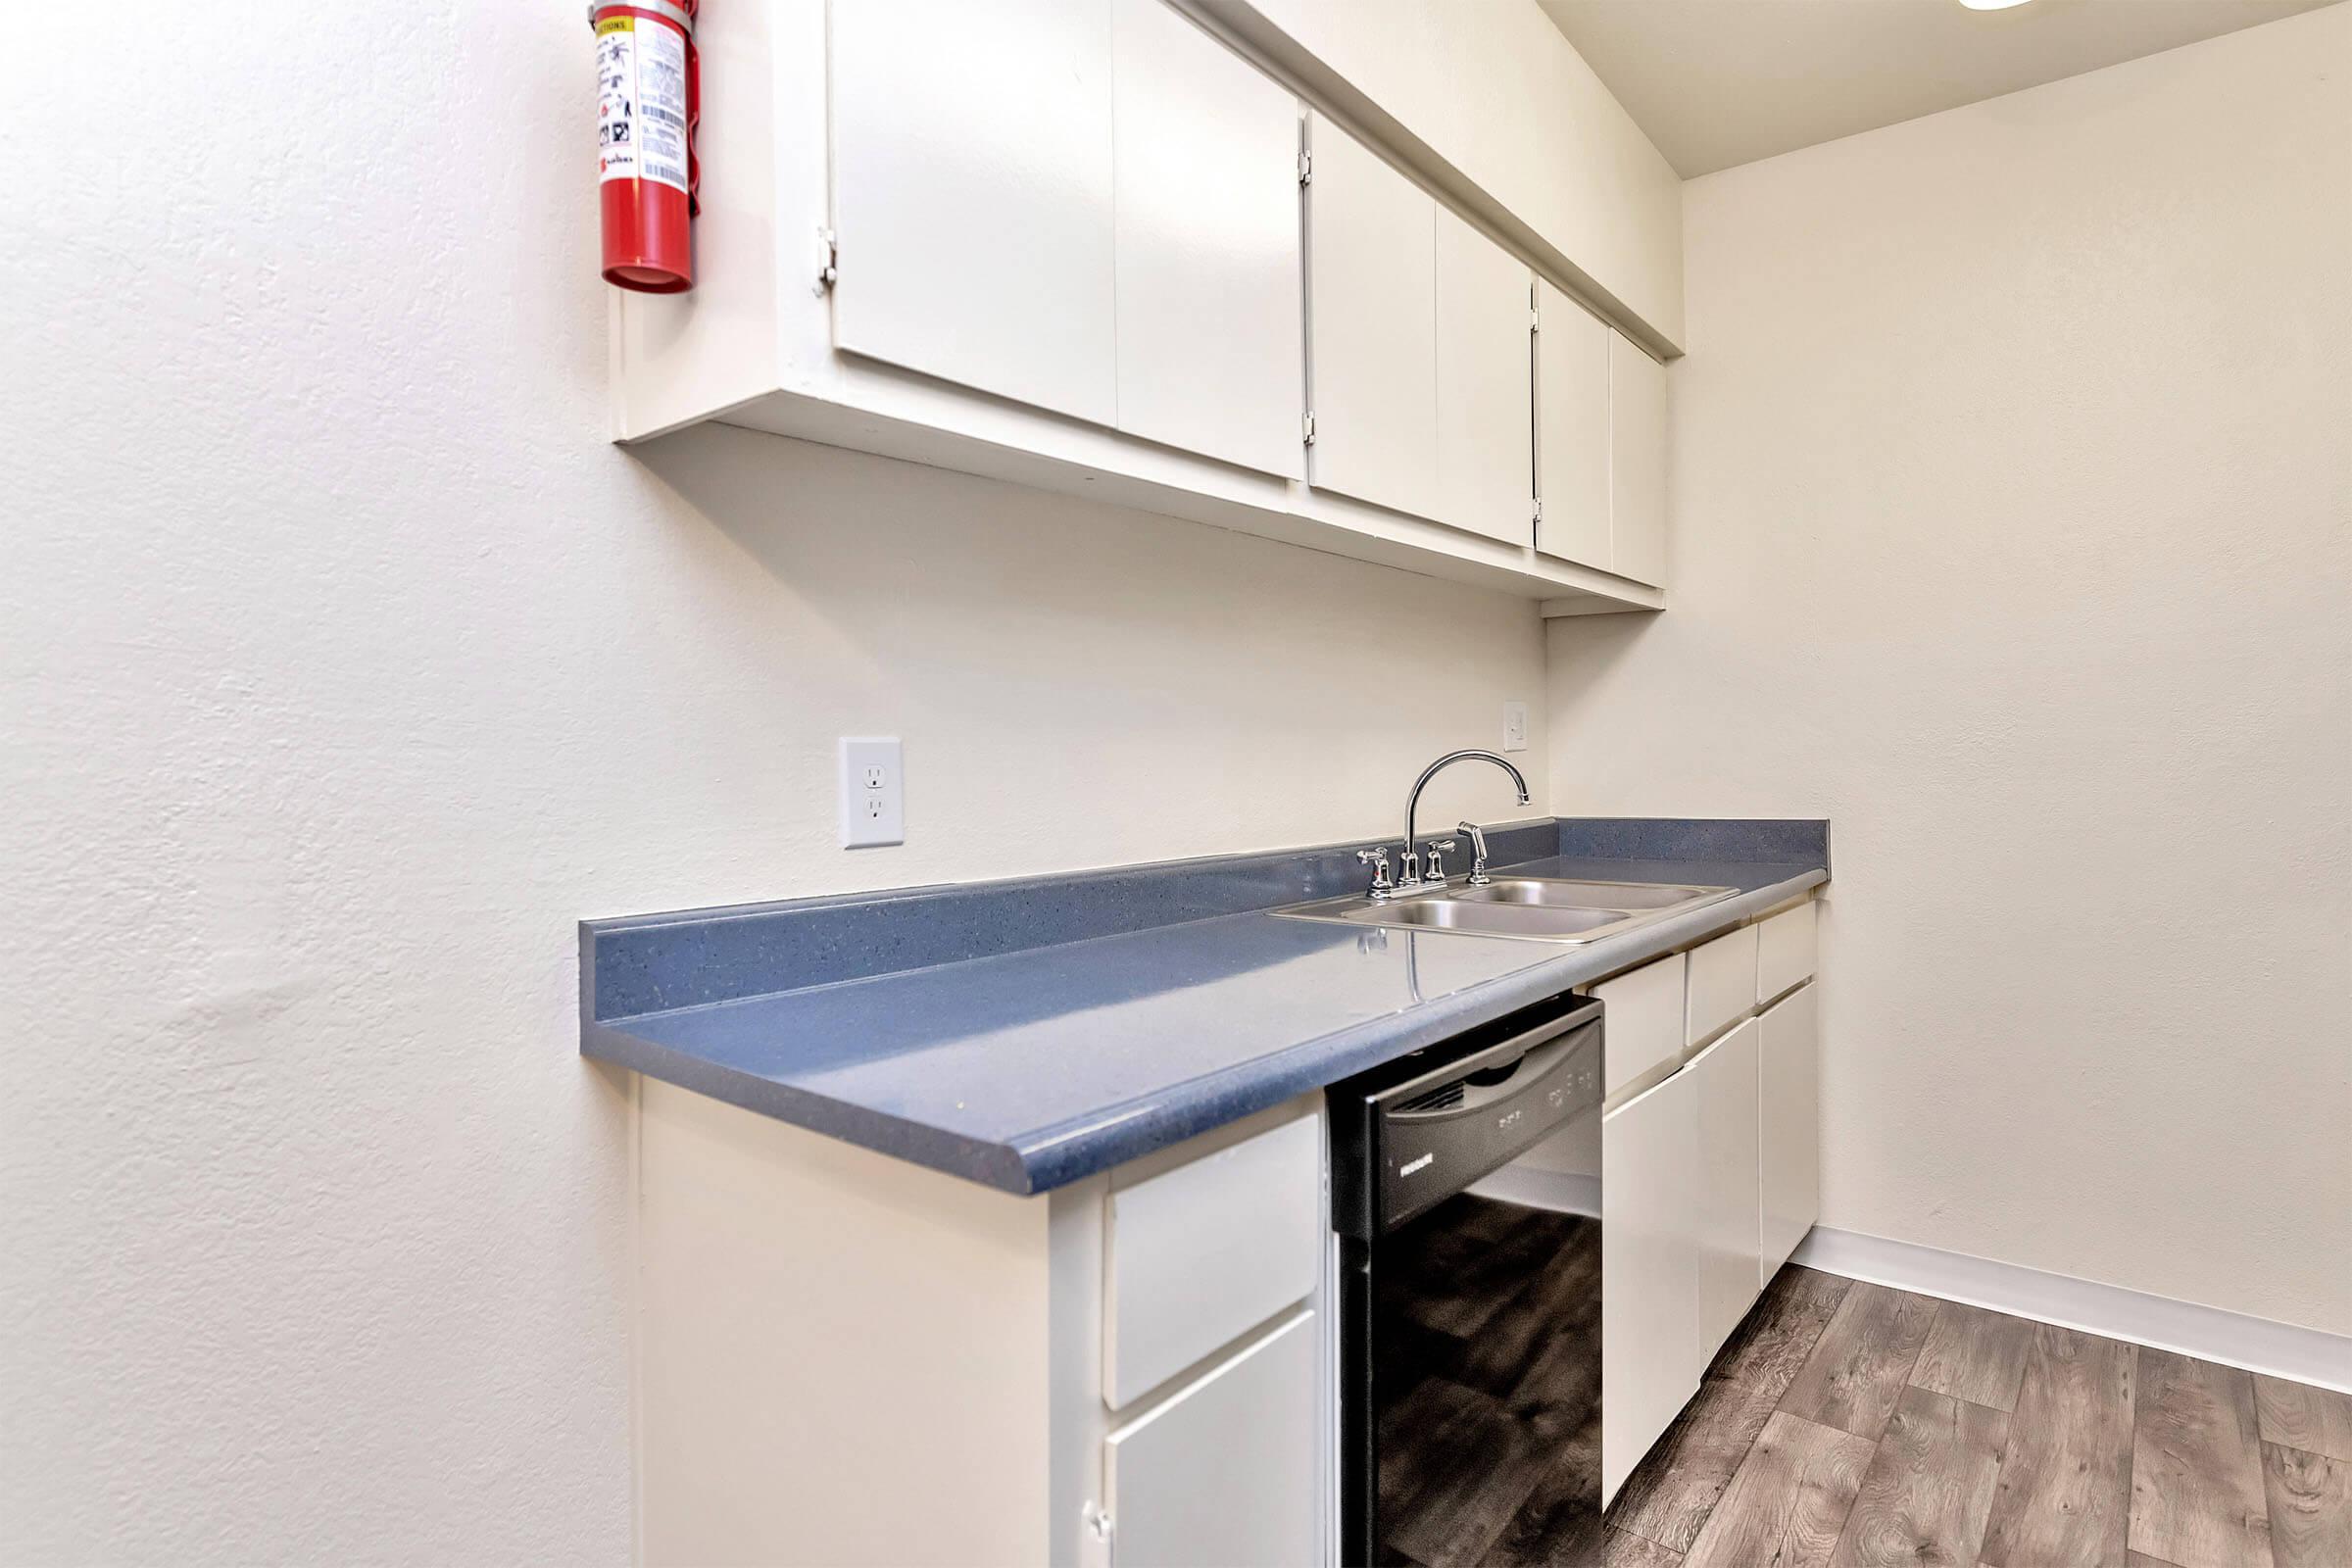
(1198,1256)
(1783,950)
(1722,984)
(1642,1021)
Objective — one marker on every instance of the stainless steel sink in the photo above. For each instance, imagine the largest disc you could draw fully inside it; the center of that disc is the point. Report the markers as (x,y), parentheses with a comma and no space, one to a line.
(1527,909)
(1490,919)
(1555,893)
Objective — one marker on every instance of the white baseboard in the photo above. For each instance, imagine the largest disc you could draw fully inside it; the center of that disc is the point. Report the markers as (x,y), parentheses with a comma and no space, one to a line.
(1562,1191)
(2208,1333)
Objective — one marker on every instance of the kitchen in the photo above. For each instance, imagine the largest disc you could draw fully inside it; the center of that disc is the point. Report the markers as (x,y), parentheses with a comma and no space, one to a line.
(813,919)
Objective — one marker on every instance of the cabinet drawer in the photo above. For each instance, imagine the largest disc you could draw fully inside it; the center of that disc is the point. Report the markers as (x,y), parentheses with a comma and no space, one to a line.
(1198,1256)
(1643,1024)
(1722,983)
(1783,950)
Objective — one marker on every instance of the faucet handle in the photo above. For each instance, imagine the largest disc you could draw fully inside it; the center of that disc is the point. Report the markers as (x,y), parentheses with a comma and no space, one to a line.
(1436,848)
(1378,859)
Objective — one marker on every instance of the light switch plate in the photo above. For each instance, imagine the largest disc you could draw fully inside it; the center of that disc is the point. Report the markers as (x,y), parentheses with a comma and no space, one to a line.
(1514,726)
(873,790)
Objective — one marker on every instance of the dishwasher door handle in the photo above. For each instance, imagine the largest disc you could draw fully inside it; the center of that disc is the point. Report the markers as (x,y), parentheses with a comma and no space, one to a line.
(1525,1076)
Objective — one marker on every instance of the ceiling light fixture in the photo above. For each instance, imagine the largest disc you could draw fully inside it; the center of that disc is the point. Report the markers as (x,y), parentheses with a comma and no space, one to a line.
(1990,5)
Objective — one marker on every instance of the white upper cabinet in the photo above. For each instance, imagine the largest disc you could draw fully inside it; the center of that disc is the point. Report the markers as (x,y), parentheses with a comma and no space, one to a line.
(1065,244)
(1209,352)
(1572,429)
(1372,326)
(972,195)
(1637,463)
(1600,444)
(1486,470)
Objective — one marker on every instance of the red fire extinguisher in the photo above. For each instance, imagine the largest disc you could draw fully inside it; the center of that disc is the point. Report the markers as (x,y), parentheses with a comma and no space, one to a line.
(649,97)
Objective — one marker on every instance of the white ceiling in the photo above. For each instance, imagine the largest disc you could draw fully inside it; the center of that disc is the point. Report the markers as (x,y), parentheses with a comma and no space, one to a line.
(1718,82)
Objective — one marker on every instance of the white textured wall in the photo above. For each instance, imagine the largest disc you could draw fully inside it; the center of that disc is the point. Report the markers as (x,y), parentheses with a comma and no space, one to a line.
(2012,517)
(343,667)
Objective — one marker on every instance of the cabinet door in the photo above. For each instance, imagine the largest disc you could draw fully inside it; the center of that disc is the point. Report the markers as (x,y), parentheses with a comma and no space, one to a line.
(1210,357)
(1572,429)
(972,195)
(1486,463)
(1371,310)
(1726,1078)
(1789,1074)
(1226,1470)
(1637,463)
(1648,1264)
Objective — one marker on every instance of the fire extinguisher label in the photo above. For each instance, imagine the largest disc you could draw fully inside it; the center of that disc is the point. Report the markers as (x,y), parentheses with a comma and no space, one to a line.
(640,101)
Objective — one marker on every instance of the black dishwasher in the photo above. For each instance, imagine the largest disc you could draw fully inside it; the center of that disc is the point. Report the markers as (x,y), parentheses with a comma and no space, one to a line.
(1469,1326)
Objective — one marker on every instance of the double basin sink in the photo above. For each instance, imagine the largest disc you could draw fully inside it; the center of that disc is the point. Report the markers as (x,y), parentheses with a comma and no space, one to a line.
(1529,908)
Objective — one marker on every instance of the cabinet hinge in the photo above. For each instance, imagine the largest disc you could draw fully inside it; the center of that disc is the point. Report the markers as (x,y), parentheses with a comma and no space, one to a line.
(1307,167)
(828,260)
(1535,318)
(1099,1532)
(1538,509)
(1308,427)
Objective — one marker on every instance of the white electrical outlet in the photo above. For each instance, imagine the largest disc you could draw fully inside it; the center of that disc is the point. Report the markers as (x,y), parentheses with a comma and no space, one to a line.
(873,792)
(1514,726)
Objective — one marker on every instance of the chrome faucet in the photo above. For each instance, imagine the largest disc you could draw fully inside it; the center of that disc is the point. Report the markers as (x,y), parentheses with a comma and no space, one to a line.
(1413,881)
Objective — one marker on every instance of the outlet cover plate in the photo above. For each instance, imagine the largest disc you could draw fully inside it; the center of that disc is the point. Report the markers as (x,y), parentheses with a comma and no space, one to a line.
(873,792)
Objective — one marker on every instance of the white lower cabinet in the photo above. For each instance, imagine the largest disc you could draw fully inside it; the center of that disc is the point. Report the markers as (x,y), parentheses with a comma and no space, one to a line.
(1788,1076)
(1226,1470)
(1723,1090)
(1649,1262)
(1710,1176)
(928,1355)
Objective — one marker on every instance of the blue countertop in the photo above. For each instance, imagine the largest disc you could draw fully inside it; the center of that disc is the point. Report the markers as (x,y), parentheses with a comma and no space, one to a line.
(1034,1066)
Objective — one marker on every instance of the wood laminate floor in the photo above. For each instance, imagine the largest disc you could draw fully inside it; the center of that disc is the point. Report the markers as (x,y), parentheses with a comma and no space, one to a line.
(1849,1425)
(1854,1426)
